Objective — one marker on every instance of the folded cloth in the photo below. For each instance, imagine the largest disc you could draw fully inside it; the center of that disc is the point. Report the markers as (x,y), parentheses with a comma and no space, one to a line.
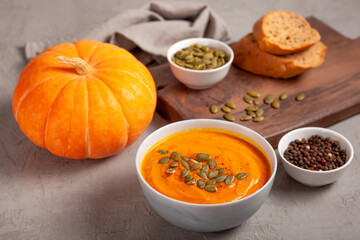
(148,32)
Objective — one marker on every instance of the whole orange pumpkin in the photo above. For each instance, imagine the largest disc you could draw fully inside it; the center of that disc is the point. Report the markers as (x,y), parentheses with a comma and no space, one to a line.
(85,99)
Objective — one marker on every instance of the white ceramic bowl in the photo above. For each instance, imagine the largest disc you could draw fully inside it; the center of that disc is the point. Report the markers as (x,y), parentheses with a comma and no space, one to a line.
(205,217)
(200,79)
(310,177)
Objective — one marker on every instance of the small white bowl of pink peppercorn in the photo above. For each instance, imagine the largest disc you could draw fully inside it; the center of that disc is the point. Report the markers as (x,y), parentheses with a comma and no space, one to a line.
(315,156)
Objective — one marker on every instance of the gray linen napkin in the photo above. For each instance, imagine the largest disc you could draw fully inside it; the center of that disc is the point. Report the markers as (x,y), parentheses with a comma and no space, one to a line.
(148,32)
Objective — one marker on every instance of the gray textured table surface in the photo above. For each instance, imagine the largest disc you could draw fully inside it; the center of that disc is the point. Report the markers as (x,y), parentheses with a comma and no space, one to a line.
(46,197)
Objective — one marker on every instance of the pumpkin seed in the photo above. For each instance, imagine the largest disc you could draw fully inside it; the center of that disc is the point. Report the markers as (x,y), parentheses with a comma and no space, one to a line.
(200,183)
(202,175)
(170,170)
(251,108)
(283,96)
(220,178)
(252,114)
(164,160)
(189,58)
(188,178)
(174,164)
(175,156)
(185,164)
(259,112)
(162,151)
(211,182)
(214,108)
(193,161)
(253,94)
(190,182)
(230,105)
(221,170)
(213,174)
(226,109)
(246,118)
(256,101)
(229,117)
(185,158)
(259,119)
(203,157)
(300,97)
(212,163)
(241,176)
(210,188)
(185,172)
(248,99)
(195,166)
(269,99)
(275,104)
(205,168)
(229,179)
(192,56)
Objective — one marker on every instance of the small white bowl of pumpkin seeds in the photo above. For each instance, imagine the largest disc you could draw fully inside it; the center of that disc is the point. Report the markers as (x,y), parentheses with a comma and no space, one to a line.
(200,63)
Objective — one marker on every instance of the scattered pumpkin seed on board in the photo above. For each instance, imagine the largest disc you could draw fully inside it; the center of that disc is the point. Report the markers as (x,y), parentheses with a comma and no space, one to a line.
(214,108)
(248,99)
(269,99)
(230,105)
(300,97)
(246,118)
(229,117)
(226,109)
(253,94)
(256,101)
(259,119)
(275,104)
(283,96)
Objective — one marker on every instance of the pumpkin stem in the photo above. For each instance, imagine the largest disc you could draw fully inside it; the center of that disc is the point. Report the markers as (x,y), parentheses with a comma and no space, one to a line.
(79,64)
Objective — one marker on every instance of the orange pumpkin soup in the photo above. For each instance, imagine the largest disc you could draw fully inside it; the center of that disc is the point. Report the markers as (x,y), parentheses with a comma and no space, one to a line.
(247,168)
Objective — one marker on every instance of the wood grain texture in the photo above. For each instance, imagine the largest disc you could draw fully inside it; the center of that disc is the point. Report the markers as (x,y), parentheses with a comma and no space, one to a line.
(332,91)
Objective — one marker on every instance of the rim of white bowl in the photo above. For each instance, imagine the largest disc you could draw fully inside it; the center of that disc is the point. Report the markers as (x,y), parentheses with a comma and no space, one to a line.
(174,46)
(318,129)
(274,168)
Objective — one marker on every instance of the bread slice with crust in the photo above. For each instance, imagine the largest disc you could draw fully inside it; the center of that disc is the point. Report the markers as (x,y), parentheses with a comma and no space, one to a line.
(284,32)
(249,57)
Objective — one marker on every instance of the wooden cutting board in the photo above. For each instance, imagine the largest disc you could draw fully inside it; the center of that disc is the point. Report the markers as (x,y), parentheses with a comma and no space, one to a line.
(332,91)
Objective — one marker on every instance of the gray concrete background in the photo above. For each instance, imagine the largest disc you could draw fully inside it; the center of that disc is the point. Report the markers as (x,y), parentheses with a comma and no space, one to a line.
(47,197)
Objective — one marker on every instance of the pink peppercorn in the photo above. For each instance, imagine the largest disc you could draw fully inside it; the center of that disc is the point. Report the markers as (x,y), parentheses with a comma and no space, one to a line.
(314,166)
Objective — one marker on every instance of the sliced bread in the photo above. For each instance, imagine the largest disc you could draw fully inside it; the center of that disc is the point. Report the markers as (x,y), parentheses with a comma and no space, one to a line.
(252,59)
(284,32)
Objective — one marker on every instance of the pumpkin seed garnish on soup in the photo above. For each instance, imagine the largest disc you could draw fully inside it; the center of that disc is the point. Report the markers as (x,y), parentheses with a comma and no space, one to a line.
(213,172)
